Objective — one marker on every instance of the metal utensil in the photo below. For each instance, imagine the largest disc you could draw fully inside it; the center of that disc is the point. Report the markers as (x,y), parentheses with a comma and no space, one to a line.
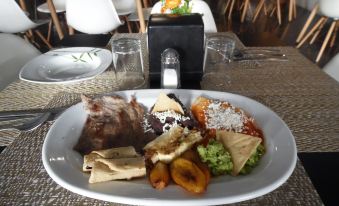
(30,125)
(261,58)
(36,121)
(260,53)
(12,115)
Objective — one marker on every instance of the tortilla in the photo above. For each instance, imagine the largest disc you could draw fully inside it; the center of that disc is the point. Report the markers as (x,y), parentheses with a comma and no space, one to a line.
(113,153)
(165,103)
(123,164)
(101,173)
(240,146)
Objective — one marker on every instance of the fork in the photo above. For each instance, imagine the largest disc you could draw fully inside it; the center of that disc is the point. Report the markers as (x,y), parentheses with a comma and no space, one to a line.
(29,125)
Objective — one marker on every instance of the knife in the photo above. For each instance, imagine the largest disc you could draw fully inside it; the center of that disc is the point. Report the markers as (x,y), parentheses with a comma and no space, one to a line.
(19,114)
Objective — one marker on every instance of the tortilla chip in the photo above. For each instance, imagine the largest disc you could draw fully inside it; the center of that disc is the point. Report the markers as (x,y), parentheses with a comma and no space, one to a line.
(101,173)
(240,146)
(113,153)
(165,103)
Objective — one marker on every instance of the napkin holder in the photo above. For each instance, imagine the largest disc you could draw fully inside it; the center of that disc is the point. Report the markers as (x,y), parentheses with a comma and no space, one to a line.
(185,34)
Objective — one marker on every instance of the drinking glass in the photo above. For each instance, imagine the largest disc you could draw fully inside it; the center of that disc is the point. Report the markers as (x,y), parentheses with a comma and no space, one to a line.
(218,52)
(128,63)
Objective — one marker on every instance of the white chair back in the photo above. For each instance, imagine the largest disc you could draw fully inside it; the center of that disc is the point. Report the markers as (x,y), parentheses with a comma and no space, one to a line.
(329,8)
(13,19)
(125,7)
(200,7)
(60,6)
(92,16)
(15,52)
(332,67)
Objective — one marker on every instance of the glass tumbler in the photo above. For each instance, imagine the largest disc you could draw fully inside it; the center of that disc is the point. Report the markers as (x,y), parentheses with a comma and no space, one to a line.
(218,52)
(128,63)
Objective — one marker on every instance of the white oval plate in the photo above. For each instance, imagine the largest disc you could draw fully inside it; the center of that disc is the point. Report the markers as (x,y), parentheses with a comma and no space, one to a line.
(63,164)
(66,65)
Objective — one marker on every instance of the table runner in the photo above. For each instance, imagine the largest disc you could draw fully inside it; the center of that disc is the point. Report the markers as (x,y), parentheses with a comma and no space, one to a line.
(24,180)
(281,86)
(297,90)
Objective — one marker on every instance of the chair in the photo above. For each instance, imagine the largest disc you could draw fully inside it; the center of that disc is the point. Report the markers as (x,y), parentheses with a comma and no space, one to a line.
(92,16)
(308,22)
(60,7)
(198,6)
(125,8)
(276,7)
(14,20)
(15,52)
(332,68)
(329,10)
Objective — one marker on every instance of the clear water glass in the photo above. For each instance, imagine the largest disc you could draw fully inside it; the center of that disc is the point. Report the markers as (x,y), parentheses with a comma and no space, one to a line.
(218,51)
(128,63)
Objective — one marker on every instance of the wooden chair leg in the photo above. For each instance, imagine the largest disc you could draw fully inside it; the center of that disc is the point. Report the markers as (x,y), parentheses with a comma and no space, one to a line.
(308,22)
(273,10)
(246,5)
(231,10)
(278,12)
(258,9)
(128,24)
(334,34)
(49,30)
(224,11)
(290,10)
(294,9)
(316,34)
(265,9)
(43,39)
(315,27)
(327,38)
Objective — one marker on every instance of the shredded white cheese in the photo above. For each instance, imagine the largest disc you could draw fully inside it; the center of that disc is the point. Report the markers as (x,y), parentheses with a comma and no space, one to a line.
(218,117)
(171,114)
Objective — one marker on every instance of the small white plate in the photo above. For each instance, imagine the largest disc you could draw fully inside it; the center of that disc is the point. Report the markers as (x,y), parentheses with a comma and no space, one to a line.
(64,165)
(66,65)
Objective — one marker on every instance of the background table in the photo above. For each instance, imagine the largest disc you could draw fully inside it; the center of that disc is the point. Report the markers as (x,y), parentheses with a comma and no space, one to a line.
(297,90)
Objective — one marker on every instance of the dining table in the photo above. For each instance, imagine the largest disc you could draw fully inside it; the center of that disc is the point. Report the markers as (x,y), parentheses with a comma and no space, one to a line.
(297,90)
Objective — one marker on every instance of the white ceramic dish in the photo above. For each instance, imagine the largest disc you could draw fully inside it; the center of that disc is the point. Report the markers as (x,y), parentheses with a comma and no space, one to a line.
(66,65)
(64,165)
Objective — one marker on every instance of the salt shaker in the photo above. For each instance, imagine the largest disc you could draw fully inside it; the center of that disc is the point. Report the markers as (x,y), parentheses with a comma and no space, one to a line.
(170,69)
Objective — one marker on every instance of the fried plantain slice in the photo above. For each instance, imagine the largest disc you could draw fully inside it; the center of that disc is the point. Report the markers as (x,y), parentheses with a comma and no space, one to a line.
(188,175)
(194,157)
(159,175)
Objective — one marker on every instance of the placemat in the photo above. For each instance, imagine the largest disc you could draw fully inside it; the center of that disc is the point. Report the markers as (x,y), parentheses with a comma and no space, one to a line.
(297,90)
(24,181)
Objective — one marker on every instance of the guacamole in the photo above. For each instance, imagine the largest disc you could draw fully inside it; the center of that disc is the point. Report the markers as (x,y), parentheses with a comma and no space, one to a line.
(253,160)
(216,157)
